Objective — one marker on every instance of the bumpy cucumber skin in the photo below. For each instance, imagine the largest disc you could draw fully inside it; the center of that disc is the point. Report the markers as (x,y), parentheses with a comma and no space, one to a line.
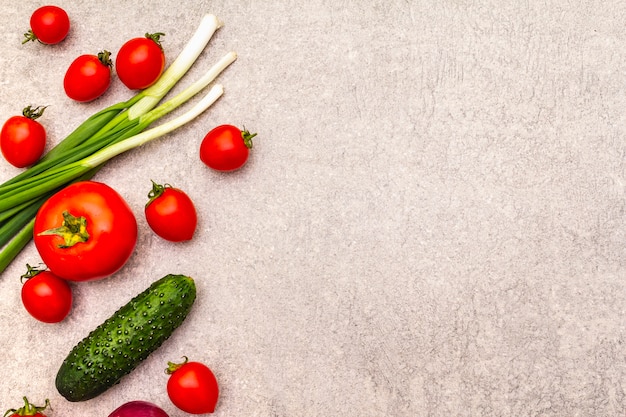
(124,340)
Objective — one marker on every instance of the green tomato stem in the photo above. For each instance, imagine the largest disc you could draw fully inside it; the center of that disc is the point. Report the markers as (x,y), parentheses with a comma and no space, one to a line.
(105,58)
(247,138)
(33,113)
(156,38)
(173,366)
(31,272)
(73,230)
(156,192)
(30,37)
(28,409)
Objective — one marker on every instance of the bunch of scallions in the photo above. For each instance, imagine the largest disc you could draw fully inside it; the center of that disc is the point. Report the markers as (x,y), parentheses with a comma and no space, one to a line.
(104,135)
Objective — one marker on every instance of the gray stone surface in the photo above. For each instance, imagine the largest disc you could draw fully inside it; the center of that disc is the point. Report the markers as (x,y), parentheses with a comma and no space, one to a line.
(431,224)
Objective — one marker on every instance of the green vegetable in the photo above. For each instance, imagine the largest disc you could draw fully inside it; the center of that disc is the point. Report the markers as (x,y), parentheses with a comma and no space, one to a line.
(106,134)
(129,336)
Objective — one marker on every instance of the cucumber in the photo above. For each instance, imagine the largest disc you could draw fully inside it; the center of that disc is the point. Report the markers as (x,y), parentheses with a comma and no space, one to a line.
(124,340)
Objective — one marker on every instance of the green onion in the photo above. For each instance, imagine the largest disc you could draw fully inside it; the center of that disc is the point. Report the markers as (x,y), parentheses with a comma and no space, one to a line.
(104,135)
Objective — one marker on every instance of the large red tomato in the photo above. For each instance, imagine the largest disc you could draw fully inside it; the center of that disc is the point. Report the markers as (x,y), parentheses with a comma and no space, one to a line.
(85,232)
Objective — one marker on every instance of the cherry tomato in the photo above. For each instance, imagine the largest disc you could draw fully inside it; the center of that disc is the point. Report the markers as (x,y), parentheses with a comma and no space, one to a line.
(170,213)
(226,148)
(22,138)
(192,387)
(140,61)
(88,77)
(49,25)
(85,232)
(45,296)
(28,409)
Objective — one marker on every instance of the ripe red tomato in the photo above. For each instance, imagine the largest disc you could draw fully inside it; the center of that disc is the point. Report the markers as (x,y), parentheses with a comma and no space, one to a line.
(45,296)
(22,138)
(140,61)
(226,148)
(88,77)
(192,387)
(49,25)
(85,232)
(170,213)
(28,409)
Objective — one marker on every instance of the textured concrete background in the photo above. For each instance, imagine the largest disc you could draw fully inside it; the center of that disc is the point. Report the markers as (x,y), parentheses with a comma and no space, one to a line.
(431,224)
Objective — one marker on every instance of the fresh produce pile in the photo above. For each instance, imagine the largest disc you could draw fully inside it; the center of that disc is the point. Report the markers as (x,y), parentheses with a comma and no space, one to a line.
(84,230)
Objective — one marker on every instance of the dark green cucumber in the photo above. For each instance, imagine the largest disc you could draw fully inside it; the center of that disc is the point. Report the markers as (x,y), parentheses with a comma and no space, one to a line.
(130,335)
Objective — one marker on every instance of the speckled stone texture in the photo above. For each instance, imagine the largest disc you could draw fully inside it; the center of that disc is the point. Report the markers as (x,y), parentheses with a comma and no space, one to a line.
(432,222)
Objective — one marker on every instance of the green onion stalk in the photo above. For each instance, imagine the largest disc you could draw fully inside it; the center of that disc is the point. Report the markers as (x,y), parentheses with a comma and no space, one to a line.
(104,135)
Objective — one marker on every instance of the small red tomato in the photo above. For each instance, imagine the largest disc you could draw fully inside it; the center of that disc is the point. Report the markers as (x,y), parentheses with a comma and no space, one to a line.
(28,409)
(45,296)
(49,25)
(22,138)
(192,387)
(226,148)
(88,77)
(170,213)
(140,61)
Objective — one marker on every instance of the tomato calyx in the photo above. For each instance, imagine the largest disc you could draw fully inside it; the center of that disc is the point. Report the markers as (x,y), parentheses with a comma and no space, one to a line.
(105,58)
(156,37)
(31,272)
(156,192)
(30,37)
(33,113)
(28,409)
(173,366)
(73,230)
(247,137)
